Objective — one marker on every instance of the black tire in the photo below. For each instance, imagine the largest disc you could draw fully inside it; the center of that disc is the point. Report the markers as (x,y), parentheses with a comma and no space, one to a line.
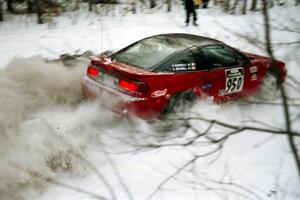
(269,86)
(168,120)
(180,102)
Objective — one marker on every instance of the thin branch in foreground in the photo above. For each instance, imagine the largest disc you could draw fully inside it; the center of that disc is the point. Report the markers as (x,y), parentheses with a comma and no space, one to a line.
(260,123)
(79,190)
(118,175)
(100,176)
(230,187)
(190,142)
(242,128)
(193,160)
(246,102)
(39,176)
(282,89)
(289,129)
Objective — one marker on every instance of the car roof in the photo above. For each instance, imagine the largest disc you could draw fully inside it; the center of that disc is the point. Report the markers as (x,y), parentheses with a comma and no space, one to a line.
(189,40)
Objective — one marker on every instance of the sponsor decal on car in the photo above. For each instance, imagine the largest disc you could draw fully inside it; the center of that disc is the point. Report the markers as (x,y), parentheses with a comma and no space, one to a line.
(253,71)
(221,92)
(206,86)
(159,93)
(253,77)
(184,67)
(234,80)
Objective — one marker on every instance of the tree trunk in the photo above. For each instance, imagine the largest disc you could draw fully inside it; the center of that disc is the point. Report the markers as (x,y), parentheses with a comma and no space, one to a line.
(283,94)
(39,11)
(152,3)
(169,8)
(234,6)
(1,11)
(244,7)
(9,6)
(253,5)
(29,6)
(90,5)
(77,5)
(133,6)
(226,5)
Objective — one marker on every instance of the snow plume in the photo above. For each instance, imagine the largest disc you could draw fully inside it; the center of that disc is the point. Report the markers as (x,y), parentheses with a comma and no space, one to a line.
(44,126)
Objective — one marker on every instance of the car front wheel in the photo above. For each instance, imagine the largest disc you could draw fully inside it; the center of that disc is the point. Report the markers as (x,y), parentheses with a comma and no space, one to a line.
(269,87)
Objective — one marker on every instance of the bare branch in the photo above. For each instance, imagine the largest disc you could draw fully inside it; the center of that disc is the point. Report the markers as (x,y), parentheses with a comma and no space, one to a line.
(180,169)
(190,142)
(289,129)
(79,190)
(39,176)
(118,175)
(283,94)
(100,176)
(240,128)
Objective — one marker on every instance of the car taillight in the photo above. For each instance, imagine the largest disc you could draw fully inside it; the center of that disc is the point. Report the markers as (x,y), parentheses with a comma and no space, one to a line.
(133,86)
(128,85)
(92,71)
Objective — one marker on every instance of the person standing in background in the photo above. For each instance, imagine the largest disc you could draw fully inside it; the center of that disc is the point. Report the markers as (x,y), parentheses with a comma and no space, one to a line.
(190,9)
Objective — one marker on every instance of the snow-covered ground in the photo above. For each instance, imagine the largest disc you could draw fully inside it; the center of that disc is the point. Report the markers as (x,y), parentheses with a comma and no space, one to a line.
(56,147)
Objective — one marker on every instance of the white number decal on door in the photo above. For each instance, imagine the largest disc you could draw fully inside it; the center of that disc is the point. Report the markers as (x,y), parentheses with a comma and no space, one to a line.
(234,80)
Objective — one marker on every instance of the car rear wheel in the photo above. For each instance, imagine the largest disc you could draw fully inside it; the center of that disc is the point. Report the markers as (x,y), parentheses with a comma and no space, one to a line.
(180,103)
(177,105)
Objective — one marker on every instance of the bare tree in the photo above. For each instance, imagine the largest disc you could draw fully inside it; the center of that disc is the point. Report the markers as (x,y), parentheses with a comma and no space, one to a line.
(226,5)
(39,11)
(132,7)
(90,6)
(283,92)
(244,11)
(77,5)
(30,6)
(152,3)
(169,7)
(1,10)
(253,5)
(9,6)
(234,6)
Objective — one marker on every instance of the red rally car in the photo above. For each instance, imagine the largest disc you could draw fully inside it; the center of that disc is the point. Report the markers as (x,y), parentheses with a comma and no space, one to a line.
(160,74)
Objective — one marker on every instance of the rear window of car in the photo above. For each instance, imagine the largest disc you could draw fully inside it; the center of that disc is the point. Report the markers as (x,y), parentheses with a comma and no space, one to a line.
(149,52)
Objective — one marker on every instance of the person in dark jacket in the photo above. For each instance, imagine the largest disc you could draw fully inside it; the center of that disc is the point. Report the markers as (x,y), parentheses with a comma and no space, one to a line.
(190,9)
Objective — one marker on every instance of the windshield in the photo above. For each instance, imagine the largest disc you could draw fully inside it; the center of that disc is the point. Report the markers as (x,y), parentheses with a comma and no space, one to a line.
(149,52)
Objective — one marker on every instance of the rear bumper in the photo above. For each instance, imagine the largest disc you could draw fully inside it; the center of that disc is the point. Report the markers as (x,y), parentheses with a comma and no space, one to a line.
(115,100)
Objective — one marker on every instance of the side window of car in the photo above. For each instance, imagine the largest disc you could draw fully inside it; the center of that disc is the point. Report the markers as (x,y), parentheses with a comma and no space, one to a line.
(201,60)
(222,56)
(184,62)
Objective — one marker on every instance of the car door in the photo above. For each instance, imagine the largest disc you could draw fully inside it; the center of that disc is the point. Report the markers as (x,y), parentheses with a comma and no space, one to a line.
(229,71)
(187,75)
(211,77)
(194,71)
